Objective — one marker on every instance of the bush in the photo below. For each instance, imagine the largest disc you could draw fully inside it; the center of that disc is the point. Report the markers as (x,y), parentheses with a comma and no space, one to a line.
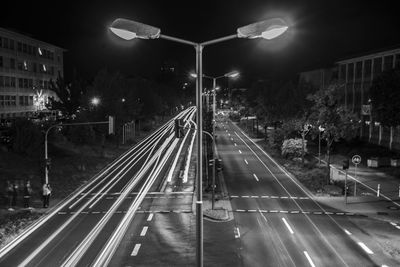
(275,138)
(292,148)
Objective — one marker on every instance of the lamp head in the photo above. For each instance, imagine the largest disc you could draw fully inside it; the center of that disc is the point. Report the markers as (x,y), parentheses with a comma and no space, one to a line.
(129,29)
(267,29)
(232,74)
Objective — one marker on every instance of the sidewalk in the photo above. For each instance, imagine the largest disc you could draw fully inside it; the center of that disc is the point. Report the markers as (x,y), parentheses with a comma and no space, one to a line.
(365,198)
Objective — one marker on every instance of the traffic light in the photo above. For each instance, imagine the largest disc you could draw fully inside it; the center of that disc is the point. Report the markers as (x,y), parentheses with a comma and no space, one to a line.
(179,132)
(345,164)
(218,164)
(111,123)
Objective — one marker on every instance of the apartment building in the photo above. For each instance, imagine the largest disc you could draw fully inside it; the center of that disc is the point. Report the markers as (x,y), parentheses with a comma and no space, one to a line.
(26,67)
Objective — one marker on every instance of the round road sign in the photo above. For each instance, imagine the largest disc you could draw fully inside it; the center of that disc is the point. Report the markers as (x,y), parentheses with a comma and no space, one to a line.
(356,159)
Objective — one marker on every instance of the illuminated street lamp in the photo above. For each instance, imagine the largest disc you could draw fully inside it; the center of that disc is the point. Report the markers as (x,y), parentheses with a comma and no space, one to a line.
(267,29)
(95,101)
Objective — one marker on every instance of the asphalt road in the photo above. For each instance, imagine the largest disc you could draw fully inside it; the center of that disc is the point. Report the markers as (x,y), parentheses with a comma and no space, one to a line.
(78,230)
(276,220)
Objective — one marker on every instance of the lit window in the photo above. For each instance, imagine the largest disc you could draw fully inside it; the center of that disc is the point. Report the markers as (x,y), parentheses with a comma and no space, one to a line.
(25,65)
(44,67)
(39,51)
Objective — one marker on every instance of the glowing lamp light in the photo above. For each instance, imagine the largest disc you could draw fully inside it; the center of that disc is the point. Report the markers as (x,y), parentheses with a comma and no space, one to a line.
(267,29)
(129,29)
(95,101)
(193,75)
(126,35)
(273,32)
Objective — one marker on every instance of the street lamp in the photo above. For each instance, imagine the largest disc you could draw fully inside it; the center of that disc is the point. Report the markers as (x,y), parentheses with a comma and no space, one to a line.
(95,101)
(267,29)
(232,74)
(320,129)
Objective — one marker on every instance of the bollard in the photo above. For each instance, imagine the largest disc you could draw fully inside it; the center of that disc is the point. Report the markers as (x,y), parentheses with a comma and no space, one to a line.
(379,190)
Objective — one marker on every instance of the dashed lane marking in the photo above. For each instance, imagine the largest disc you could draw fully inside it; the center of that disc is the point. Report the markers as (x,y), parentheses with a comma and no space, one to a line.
(237,232)
(347,232)
(255,177)
(245,161)
(150,217)
(266,196)
(240,151)
(298,212)
(144,231)
(287,226)
(135,250)
(309,259)
(365,248)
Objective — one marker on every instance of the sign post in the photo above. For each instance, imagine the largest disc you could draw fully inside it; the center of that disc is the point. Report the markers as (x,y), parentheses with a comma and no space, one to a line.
(356,159)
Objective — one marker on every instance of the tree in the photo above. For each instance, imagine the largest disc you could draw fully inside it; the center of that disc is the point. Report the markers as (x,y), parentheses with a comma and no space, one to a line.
(334,117)
(27,137)
(385,98)
(69,96)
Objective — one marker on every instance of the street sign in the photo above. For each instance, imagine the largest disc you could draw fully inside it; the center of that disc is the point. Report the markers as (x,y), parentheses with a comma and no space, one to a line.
(356,159)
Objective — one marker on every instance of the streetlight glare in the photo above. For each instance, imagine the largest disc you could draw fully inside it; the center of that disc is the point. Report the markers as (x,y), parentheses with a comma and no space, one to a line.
(232,74)
(274,32)
(267,29)
(193,75)
(129,29)
(95,101)
(126,35)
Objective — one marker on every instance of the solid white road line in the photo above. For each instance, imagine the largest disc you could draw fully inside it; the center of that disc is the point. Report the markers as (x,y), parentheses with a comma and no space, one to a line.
(309,259)
(347,232)
(246,161)
(288,226)
(150,217)
(144,231)
(135,250)
(365,248)
(255,177)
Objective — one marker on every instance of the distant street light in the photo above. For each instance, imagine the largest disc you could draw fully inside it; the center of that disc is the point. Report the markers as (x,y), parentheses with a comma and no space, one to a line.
(267,29)
(320,129)
(95,101)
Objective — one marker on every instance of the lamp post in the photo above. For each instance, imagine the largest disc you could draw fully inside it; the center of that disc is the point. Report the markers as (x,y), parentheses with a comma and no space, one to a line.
(232,74)
(267,29)
(320,129)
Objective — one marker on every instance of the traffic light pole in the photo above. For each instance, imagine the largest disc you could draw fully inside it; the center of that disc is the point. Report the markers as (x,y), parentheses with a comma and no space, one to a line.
(46,157)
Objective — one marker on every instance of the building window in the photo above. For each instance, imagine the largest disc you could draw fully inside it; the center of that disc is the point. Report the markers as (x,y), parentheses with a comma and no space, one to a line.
(12,63)
(19,47)
(30,83)
(7,102)
(1,61)
(358,70)
(397,62)
(20,83)
(21,100)
(7,81)
(19,65)
(34,66)
(40,51)
(25,83)
(25,65)
(1,41)
(44,68)
(30,103)
(2,104)
(12,80)
(24,48)
(388,64)
(13,100)
(1,81)
(11,44)
(367,68)
(377,65)
(5,43)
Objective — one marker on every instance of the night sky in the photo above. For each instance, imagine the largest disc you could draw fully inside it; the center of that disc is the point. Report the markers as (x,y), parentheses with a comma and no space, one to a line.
(321,32)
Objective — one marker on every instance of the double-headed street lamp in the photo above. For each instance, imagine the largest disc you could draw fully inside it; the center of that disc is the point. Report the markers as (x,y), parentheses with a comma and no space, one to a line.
(267,29)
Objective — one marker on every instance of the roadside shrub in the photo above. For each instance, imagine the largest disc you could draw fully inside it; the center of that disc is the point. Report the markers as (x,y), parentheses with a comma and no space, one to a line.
(292,148)
(275,138)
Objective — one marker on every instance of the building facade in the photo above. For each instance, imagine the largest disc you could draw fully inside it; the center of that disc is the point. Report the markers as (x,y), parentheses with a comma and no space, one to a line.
(357,74)
(319,78)
(26,67)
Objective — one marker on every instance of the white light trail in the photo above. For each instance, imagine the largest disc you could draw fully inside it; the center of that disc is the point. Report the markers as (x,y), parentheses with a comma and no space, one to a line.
(288,226)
